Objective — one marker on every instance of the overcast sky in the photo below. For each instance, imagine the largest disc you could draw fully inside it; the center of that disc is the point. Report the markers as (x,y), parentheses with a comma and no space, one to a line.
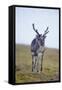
(41,18)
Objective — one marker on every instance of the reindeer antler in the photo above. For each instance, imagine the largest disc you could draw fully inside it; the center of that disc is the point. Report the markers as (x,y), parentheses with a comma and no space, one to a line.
(46,31)
(35,29)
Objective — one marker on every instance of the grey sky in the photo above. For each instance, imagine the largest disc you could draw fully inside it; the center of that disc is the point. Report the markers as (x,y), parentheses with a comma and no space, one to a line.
(41,18)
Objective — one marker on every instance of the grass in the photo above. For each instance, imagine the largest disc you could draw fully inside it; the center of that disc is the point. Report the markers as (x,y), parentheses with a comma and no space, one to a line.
(24,65)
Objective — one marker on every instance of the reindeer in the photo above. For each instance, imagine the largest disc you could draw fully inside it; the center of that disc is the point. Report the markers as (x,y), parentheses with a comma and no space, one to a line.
(37,50)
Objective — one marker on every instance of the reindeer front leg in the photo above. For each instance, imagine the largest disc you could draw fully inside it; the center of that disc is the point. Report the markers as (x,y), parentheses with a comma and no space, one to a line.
(42,62)
(42,55)
(39,63)
(33,63)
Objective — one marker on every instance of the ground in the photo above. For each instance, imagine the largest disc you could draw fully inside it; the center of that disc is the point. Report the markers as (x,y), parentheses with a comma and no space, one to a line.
(24,72)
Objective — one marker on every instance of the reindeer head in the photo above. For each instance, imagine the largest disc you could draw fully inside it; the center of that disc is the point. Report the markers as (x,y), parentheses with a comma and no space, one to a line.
(40,37)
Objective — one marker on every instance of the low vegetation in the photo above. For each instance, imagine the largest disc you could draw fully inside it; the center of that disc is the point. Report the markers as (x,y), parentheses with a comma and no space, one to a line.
(24,72)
